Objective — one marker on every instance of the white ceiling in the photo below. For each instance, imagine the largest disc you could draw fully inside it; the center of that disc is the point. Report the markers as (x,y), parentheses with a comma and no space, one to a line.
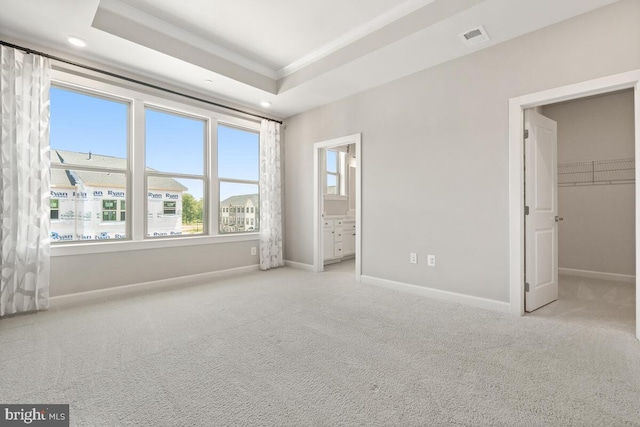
(296,54)
(274,33)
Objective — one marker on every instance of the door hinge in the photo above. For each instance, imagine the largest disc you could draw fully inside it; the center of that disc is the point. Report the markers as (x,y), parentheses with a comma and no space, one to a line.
(526,133)
(526,287)
(526,210)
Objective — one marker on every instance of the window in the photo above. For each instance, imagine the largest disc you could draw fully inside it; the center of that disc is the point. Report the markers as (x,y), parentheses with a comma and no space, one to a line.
(109,210)
(89,164)
(54,211)
(333,175)
(175,154)
(99,167)
(169,208)
(336,181)
(238,171)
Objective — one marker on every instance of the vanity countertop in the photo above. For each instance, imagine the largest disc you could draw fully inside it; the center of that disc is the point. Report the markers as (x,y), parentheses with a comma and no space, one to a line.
(344,217)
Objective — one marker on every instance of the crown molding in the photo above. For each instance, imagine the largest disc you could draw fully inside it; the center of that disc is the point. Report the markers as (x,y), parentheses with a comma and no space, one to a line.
(357,33)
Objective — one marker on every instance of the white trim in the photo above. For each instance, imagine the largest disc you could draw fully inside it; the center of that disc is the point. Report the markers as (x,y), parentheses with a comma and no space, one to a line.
(598,275)
(83,297)
(300,266)
(318,198)
(403,9)
(487,304)
(181,34)
(637,151)
(102,246)
(630,79)
(137,223)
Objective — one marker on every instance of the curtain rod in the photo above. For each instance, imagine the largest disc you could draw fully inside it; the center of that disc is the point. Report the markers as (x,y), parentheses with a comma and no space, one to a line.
(129,79)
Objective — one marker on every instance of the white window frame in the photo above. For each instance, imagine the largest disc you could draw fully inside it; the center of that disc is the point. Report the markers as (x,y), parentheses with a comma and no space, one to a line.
(238,181)
(88,91)
(205,177)
(329,173)
(340,174)
(136,199)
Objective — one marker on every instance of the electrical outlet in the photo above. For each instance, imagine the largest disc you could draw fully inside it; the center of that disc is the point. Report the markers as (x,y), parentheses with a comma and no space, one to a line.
(413,258)
(253,250)
(431,260)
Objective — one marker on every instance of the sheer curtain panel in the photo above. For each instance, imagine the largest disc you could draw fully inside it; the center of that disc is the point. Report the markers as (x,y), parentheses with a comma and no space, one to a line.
(24,181)
(270,197)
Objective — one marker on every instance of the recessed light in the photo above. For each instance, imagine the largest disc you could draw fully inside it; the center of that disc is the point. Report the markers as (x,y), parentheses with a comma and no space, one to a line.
(76,41)
(265,104)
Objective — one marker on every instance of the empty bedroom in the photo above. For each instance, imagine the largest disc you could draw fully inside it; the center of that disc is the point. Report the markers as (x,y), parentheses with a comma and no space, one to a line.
(319,213)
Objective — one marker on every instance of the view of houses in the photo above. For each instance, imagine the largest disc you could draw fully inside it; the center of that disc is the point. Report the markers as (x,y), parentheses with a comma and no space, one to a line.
(91,205)
(239,213)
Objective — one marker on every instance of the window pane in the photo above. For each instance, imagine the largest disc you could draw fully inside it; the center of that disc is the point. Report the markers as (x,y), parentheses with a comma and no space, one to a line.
(174,207)
(86,205)
(53,211)
(86,129)
(174,143)
(239,203)
(238,154)
(332,161)
(332,184)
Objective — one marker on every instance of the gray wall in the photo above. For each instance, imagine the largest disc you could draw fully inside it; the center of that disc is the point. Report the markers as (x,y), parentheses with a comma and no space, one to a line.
(598,231)
(81,273)
(435,152)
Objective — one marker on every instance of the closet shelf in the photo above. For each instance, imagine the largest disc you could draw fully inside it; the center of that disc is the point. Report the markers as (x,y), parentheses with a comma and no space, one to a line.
(616,171)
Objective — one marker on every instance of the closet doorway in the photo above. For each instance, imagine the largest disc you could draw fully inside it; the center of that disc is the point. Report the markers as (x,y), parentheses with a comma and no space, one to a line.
(594,191)
(517,106)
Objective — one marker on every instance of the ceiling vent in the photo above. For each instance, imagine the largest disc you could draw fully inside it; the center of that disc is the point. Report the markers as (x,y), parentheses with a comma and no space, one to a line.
(474,36)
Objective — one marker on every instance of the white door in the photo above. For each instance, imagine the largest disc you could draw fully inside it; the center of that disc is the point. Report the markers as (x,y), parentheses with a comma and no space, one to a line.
(541,200)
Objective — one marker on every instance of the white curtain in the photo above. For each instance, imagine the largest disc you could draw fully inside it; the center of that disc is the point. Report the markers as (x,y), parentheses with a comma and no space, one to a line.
(270,197)
(24,181)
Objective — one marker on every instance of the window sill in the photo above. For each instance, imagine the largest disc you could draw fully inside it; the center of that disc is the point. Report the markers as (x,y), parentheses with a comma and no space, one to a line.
(85,248)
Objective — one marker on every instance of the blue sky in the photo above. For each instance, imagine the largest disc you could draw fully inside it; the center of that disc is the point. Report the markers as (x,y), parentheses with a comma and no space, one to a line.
(174,143)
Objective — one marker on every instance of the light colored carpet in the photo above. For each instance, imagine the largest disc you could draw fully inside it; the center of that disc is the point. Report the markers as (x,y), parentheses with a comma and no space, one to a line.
(597,303)
(293,348)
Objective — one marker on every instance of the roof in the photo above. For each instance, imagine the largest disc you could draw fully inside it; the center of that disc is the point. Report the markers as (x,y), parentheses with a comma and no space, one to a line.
(72,177)
(240,200)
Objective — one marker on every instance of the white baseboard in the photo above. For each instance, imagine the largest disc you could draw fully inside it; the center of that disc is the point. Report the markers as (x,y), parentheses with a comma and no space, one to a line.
(81,297)
(300,266)
(614,277)
(489,304)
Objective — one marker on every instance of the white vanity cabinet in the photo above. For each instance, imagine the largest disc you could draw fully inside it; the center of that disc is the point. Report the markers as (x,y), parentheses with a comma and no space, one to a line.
(328,240)
(332,239)
(339,238)
(349,237)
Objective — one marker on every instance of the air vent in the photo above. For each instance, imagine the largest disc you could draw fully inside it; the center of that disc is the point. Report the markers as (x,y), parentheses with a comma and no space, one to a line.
(474,36)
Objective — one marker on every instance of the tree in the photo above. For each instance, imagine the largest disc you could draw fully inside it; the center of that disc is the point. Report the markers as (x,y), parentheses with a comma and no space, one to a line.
(191,209)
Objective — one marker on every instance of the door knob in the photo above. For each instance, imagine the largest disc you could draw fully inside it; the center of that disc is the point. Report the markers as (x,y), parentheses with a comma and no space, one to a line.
(559,218)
